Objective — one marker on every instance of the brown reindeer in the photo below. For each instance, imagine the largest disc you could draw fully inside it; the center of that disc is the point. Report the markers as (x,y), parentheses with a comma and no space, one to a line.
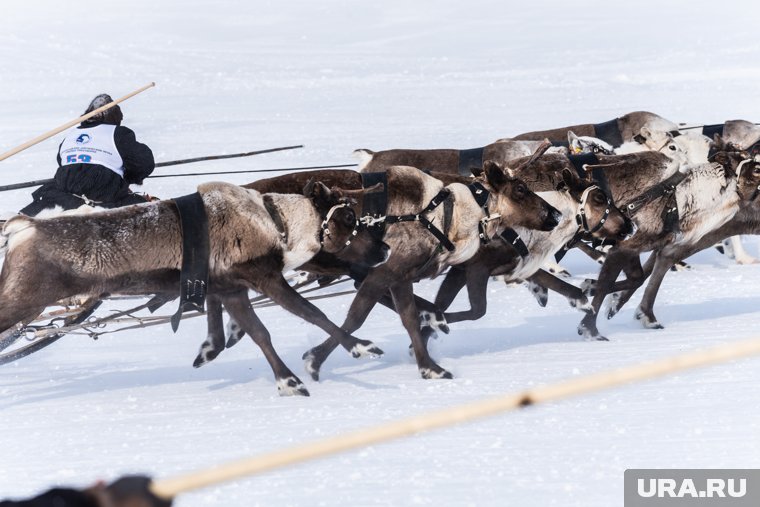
(253,238)
(614,132)
(745,221)
(554,178)
(708,197)
(416,254)
(464,162)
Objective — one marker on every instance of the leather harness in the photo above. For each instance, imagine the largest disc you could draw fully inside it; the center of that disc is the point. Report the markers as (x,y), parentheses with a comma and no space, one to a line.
(195,255)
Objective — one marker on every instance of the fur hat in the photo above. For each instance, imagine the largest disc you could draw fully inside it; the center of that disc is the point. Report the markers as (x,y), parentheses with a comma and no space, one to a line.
(112,116)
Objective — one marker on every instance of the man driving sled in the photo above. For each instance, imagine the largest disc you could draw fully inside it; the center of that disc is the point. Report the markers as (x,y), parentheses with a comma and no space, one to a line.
(97,162)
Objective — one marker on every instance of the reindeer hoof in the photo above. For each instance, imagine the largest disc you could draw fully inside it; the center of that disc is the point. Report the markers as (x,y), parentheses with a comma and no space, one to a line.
(590,333)
(233,333)
(365,349)
(680,266)
(649,322)
(312,365)
(434,320)
(614,305)
(207,354)
(540,293)
(431,373)
(291,386)
(588,287)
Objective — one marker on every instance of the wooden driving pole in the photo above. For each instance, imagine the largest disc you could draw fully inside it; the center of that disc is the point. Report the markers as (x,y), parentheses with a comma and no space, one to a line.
(72,123)
(168,488)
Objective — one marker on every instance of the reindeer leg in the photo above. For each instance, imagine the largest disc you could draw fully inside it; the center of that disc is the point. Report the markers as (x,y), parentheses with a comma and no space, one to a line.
(644,312)
(278,289)
(574,295)
(214,342)
(476,278)
(370,291)
(621,297)
(612,266)
(239,308)
(403,297)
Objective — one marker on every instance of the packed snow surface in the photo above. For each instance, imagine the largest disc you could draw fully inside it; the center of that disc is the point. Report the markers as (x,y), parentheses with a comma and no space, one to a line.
(335,76)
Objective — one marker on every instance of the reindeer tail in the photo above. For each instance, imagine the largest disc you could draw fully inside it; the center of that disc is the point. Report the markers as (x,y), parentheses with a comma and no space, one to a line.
(365,157)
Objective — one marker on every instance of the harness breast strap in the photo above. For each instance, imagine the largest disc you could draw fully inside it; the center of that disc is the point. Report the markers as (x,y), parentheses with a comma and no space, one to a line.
(195,255)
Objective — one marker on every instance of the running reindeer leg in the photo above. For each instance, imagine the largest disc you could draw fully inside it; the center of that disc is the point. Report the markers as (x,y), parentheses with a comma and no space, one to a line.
(644,312)
(214,342)
(403,298)
(370,291)
(240,309)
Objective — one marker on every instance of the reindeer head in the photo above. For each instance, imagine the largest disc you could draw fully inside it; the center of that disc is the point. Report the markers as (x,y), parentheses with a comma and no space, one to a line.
(597,216)
(515,202)
(341,233)
(745,167)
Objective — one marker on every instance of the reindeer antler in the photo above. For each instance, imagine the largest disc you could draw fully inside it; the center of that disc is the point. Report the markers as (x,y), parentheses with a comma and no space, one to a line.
(545,145)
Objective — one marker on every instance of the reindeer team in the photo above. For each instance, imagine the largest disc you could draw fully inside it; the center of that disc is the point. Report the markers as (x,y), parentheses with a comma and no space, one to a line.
(615,190)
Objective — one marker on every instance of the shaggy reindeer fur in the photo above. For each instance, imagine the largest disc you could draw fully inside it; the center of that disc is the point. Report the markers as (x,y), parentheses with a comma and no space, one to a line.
(137,250)
(707,199)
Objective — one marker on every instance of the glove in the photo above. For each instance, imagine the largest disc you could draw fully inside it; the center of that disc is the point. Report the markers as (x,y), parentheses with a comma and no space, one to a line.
(128,491)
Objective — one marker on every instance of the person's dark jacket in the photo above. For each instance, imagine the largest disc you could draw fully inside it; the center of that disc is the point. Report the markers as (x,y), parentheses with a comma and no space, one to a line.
(98,184)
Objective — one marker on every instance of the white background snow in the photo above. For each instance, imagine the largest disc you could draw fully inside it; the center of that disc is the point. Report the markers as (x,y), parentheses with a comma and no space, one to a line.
(335,76)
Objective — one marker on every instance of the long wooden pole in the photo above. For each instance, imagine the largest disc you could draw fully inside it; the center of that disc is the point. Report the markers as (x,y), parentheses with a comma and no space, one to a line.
(169,488)
(63,127)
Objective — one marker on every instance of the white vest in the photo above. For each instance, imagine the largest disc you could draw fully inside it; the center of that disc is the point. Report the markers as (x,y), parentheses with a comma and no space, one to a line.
(92,145)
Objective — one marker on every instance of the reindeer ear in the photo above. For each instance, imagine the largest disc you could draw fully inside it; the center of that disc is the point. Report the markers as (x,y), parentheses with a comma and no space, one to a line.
(319,193)
(574,142)
(568,179)
(495,175)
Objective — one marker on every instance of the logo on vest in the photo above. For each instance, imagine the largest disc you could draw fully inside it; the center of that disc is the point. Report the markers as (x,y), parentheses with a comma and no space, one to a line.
(83,139)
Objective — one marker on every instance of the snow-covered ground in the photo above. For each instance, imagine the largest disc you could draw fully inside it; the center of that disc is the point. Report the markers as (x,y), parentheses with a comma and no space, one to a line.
(335,76)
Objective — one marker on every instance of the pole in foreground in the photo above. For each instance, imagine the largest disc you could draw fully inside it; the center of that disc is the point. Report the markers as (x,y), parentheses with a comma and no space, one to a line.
(70,124)
(169,488)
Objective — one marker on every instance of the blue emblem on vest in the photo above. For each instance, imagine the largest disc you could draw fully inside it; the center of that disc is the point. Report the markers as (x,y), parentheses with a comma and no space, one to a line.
(83,139)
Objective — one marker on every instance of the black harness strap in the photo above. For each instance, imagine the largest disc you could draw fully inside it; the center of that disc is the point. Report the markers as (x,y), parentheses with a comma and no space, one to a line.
(711,130)
(664,188)
(469,160)
(480,194)
(609,132)
(375,204)
(195,255)
(420,217)
(597,173)
(511,237)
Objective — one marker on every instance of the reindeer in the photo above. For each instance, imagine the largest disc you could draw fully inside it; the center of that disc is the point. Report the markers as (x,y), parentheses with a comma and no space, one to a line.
(252,237)
(464,162)
(614,132)
(585,209)
(707,198)
(416,254)
(745,221)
